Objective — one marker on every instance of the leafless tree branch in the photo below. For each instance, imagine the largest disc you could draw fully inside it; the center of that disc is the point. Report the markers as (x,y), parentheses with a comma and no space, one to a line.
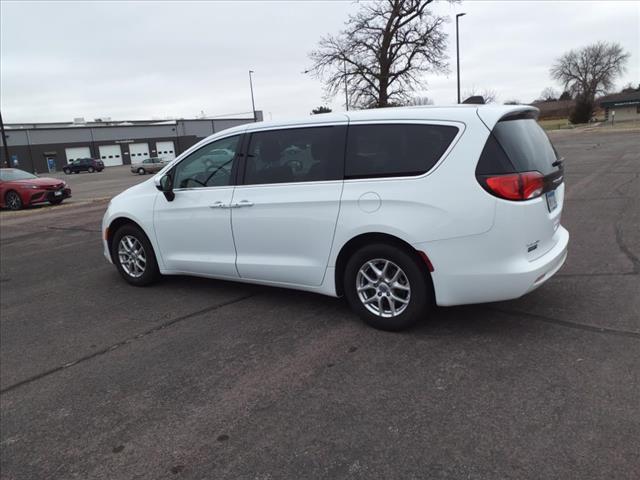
(382,53)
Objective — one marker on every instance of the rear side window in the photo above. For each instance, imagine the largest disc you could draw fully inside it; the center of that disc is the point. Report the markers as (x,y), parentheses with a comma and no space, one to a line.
(395,150)
(295,155)
(517,145)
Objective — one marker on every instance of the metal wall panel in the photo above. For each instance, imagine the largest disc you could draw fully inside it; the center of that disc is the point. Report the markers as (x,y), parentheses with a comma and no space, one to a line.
(59,135)
(197,128)
(106,134)
(15,137)
(219,125)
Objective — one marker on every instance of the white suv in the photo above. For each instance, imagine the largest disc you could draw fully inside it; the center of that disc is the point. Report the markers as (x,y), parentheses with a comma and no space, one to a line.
(396,209)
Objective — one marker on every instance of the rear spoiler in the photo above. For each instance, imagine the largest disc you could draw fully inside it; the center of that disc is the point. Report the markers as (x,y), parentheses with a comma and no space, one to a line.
(491,115)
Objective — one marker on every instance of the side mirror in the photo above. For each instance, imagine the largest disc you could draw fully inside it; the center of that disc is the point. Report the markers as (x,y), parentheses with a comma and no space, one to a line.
(165,185)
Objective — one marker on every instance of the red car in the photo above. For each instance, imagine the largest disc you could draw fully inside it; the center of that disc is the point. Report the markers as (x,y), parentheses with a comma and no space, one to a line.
(19,189)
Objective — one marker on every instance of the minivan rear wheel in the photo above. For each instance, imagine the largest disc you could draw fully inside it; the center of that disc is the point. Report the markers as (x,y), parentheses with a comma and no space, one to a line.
(387,287)
(134,257)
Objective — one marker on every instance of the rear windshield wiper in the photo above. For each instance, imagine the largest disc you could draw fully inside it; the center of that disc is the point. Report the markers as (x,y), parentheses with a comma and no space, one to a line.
(558,163)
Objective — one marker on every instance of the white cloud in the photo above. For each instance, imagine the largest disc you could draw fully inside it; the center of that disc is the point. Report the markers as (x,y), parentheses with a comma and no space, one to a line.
(144,59)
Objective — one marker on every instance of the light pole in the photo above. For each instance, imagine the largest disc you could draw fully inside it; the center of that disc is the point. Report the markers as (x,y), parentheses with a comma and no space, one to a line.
(346,93)
(458,52)
(4,143)
(253,104)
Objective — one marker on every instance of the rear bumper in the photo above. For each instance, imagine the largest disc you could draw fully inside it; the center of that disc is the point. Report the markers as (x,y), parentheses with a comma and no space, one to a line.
(463,276)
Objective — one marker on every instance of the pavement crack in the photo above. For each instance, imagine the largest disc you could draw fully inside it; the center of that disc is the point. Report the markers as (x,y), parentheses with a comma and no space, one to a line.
(126,341)
(618,189)
(76,229)
(635,261)
(568,324)
(601,274)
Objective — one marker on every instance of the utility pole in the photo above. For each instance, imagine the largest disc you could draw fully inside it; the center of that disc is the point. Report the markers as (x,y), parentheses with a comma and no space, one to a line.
(253,104)
(346,93)
(458,52)
(4,143)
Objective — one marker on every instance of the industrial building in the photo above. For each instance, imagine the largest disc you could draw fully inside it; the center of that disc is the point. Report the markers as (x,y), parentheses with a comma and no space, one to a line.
(621,106)
(47,147)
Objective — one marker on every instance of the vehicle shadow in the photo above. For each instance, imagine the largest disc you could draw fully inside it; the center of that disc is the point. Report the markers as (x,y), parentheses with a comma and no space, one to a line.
(467,320)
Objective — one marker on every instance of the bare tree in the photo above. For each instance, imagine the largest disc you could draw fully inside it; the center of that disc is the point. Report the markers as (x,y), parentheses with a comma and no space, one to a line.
(513,102)
(587,72)
(489,95)
(382,52)
(549,94)
(418,101)
(320,109)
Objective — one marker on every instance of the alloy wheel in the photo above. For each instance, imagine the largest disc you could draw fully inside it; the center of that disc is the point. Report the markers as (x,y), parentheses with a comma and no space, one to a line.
(132,257)
(13,201)
(383,288)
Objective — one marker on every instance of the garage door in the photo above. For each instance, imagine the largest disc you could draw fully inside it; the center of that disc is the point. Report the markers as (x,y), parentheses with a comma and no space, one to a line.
(165,150)
(110,155)
(75,153)
(138,152)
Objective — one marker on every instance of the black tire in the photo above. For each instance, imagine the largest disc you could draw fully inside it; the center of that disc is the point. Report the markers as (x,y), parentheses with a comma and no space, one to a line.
(12,200)
(141,171)
(416,274)
(66,171)
(151,272)
(91,169)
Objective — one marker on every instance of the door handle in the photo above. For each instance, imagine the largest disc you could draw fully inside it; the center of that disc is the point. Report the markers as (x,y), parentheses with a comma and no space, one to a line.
(242,203)
(219,204)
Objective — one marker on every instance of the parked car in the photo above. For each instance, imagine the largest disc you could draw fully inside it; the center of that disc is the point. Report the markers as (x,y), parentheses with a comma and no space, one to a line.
(19,189)
(414,207)
(149,165)
(84,165)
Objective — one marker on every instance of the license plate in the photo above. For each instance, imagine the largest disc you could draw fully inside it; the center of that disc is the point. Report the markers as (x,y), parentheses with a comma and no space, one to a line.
(552,203)
(58,193)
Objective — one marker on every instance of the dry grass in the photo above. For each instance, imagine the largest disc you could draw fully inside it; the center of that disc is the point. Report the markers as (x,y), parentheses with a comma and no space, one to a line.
(555,124)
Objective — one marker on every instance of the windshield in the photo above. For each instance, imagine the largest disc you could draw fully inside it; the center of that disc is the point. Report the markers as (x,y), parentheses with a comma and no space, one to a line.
(10,174)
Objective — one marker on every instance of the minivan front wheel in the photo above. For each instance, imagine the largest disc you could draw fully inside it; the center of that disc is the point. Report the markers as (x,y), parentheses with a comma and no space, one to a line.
(387,287)
(133,255)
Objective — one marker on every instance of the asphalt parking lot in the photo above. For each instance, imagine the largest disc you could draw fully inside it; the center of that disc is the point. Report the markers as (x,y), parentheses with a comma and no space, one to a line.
(198,379)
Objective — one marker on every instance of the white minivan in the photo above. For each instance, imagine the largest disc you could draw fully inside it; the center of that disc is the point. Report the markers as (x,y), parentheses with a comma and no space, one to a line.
(395,209)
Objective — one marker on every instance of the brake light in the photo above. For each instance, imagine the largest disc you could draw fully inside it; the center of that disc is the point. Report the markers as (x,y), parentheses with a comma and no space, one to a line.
(515,186)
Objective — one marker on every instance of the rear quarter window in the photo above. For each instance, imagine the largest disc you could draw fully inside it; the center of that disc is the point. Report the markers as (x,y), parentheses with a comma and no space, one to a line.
(517,145)
(394,150)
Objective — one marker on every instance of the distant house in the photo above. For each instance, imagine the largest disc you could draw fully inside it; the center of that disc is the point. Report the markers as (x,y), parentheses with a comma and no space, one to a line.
(625,105)
(554,109)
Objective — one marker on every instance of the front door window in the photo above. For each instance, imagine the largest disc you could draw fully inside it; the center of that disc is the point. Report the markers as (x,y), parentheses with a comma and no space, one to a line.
(210,166)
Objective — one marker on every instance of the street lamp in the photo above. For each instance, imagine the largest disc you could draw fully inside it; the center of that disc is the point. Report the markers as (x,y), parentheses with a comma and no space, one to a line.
(4,143)
(346,92)
(253,103)
(458,52)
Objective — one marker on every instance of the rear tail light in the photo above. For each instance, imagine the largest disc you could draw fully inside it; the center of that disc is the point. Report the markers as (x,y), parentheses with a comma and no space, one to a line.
(514,186)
